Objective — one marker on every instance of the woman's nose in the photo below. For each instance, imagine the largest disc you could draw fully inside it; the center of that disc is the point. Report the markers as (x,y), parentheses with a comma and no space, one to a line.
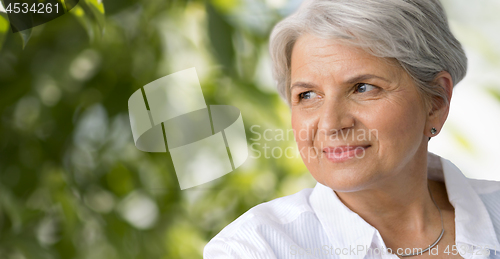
(335,116)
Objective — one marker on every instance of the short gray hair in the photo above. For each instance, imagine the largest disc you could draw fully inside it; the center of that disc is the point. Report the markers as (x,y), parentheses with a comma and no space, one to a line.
(413,32)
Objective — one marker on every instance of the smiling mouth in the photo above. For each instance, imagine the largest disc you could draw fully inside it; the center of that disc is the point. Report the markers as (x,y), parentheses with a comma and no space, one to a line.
(343,153)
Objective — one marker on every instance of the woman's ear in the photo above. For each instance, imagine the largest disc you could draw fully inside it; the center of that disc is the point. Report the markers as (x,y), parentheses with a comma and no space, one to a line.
(439,108)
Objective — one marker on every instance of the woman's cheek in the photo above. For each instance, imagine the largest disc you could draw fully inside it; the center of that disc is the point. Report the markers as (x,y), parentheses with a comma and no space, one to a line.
(303,133)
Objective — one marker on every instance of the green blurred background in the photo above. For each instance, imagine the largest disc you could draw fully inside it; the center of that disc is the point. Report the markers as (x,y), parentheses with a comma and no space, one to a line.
(72,183)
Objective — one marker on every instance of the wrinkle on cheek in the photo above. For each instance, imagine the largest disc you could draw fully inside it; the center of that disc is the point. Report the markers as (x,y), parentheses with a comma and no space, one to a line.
(396,103)
(305,130)
(408,115)
(398,96)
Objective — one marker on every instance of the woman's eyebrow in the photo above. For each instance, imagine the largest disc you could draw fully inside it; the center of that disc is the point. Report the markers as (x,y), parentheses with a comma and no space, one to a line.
(303,85)
(353,80)
(364,77)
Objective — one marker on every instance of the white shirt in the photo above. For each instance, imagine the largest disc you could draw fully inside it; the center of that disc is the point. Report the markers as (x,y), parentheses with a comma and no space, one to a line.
(314,223)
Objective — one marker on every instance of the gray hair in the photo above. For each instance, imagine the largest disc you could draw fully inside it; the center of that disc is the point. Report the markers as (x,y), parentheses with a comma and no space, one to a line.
(413,32)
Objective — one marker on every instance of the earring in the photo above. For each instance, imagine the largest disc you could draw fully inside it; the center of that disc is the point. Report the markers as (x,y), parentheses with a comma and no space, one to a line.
(433,131)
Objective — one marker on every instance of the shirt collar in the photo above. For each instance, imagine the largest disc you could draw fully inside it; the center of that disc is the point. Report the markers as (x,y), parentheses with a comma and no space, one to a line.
(347,230)
(473,224)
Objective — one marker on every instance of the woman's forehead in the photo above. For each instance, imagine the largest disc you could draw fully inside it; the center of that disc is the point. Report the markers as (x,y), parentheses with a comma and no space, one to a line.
(313,56)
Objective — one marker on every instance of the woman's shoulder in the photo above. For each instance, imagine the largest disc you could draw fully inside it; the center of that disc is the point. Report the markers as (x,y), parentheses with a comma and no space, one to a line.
(249,233)
(482,187)
(275,212)
(489,193)
(485,187)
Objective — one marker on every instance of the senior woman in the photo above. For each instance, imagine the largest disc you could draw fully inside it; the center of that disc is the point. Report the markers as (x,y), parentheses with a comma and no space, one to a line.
(370,82)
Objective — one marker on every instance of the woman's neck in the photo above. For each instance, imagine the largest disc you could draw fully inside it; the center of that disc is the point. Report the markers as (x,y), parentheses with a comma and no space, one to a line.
(400,205)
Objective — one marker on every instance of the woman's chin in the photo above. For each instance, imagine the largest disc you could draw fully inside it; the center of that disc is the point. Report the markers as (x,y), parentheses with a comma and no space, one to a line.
(346,180)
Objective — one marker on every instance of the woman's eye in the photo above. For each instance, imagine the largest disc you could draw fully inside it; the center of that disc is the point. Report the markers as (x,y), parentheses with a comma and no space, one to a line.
(307,95)
(363,88)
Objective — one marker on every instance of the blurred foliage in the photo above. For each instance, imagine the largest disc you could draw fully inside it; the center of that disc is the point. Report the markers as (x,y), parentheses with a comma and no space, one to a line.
(72,183)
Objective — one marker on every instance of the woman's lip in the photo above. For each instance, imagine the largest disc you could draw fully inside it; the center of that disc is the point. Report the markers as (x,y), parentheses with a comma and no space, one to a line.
(343,153)
(342,149)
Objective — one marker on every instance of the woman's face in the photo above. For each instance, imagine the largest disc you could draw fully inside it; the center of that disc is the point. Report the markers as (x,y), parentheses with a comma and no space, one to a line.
(357,119)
